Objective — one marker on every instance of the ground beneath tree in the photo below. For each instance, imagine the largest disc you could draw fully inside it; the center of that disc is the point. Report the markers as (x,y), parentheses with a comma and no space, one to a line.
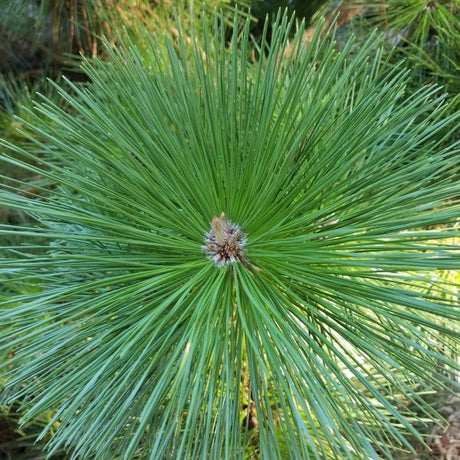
(445,443)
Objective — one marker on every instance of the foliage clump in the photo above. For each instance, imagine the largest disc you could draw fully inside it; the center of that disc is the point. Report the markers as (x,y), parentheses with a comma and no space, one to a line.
(343,184)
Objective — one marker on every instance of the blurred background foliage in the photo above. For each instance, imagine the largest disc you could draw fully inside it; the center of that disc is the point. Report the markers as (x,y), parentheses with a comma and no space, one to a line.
(40,41)
(40,38)
(426,33)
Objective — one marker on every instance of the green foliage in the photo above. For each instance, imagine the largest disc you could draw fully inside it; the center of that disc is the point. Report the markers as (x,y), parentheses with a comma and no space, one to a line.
(37,36)
(302,9)
(19,443)
(36,33)
(427,33)
(418,20)
(343,185)
(16,100)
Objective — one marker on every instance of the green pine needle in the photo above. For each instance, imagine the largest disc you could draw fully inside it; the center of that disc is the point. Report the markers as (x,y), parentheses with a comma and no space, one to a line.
(307,346)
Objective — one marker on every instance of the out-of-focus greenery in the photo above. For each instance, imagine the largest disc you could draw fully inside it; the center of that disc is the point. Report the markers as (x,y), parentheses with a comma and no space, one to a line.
(36,34)
(17,99)
(425,33)
(20,442)
(303,9)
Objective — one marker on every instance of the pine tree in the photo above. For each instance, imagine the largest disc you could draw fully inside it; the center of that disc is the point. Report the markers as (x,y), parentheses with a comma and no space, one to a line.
(231,252)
